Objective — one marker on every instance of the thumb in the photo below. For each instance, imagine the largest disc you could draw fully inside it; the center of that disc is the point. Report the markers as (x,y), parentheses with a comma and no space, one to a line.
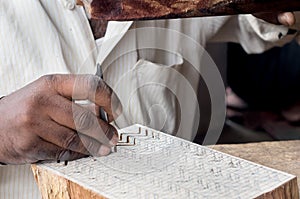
(286,18)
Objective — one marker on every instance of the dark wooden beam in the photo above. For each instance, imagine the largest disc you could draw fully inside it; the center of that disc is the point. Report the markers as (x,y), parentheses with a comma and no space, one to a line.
(162,9)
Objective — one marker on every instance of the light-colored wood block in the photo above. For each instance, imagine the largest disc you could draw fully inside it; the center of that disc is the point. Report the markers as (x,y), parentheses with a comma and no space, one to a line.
(156,165)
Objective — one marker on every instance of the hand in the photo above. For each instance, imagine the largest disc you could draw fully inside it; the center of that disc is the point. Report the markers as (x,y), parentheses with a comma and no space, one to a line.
(41,122)
(285,18)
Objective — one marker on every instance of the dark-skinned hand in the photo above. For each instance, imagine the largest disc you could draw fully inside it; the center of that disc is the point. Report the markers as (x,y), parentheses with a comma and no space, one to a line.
(41,121)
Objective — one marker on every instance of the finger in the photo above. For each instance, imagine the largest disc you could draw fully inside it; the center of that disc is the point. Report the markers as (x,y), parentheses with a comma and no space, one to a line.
(91,107)
(55,152)
(82,120)
(96,110)
(49,151)
(62,136)
(71,140)
(287,18)
(81,87)
(95,148)
(65,155)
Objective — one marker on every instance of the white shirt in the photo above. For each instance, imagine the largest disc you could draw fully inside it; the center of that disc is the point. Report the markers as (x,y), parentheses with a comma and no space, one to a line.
(43,37)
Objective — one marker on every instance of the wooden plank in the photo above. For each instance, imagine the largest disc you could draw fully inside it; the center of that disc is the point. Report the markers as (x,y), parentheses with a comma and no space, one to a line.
(56,187)
(282,155)
(161,9)
(151,164)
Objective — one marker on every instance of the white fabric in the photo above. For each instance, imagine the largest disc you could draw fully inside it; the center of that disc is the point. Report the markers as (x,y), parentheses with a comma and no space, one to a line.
(254,34)
(17,182)
(38,38)
(43,37)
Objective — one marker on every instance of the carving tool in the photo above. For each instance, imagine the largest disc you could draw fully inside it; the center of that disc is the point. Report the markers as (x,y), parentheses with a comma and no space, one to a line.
(102,113)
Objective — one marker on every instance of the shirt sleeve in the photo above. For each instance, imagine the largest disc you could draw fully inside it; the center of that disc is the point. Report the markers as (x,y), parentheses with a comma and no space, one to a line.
(255,35)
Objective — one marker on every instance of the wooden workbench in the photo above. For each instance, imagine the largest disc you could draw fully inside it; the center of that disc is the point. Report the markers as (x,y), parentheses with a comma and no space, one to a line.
(281,155)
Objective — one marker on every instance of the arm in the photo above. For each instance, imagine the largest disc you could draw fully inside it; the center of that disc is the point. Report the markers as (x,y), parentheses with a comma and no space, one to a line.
(257,34)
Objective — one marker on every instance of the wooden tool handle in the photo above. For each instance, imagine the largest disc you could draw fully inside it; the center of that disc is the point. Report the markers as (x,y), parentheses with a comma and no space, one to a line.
(162,9)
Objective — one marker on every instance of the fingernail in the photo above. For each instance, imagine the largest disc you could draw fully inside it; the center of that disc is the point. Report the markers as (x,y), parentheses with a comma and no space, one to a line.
(114,140)
(104,150)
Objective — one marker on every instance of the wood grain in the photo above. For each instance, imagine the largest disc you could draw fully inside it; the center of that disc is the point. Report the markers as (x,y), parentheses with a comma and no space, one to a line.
(53,186)
(162,9)
(284,155)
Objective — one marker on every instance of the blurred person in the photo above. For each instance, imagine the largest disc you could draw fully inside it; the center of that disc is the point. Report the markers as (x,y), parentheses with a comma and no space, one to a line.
(263,90)
(41,38)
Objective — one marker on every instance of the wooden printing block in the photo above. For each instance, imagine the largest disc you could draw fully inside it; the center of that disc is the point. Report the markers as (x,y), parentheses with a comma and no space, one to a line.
(158,165)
